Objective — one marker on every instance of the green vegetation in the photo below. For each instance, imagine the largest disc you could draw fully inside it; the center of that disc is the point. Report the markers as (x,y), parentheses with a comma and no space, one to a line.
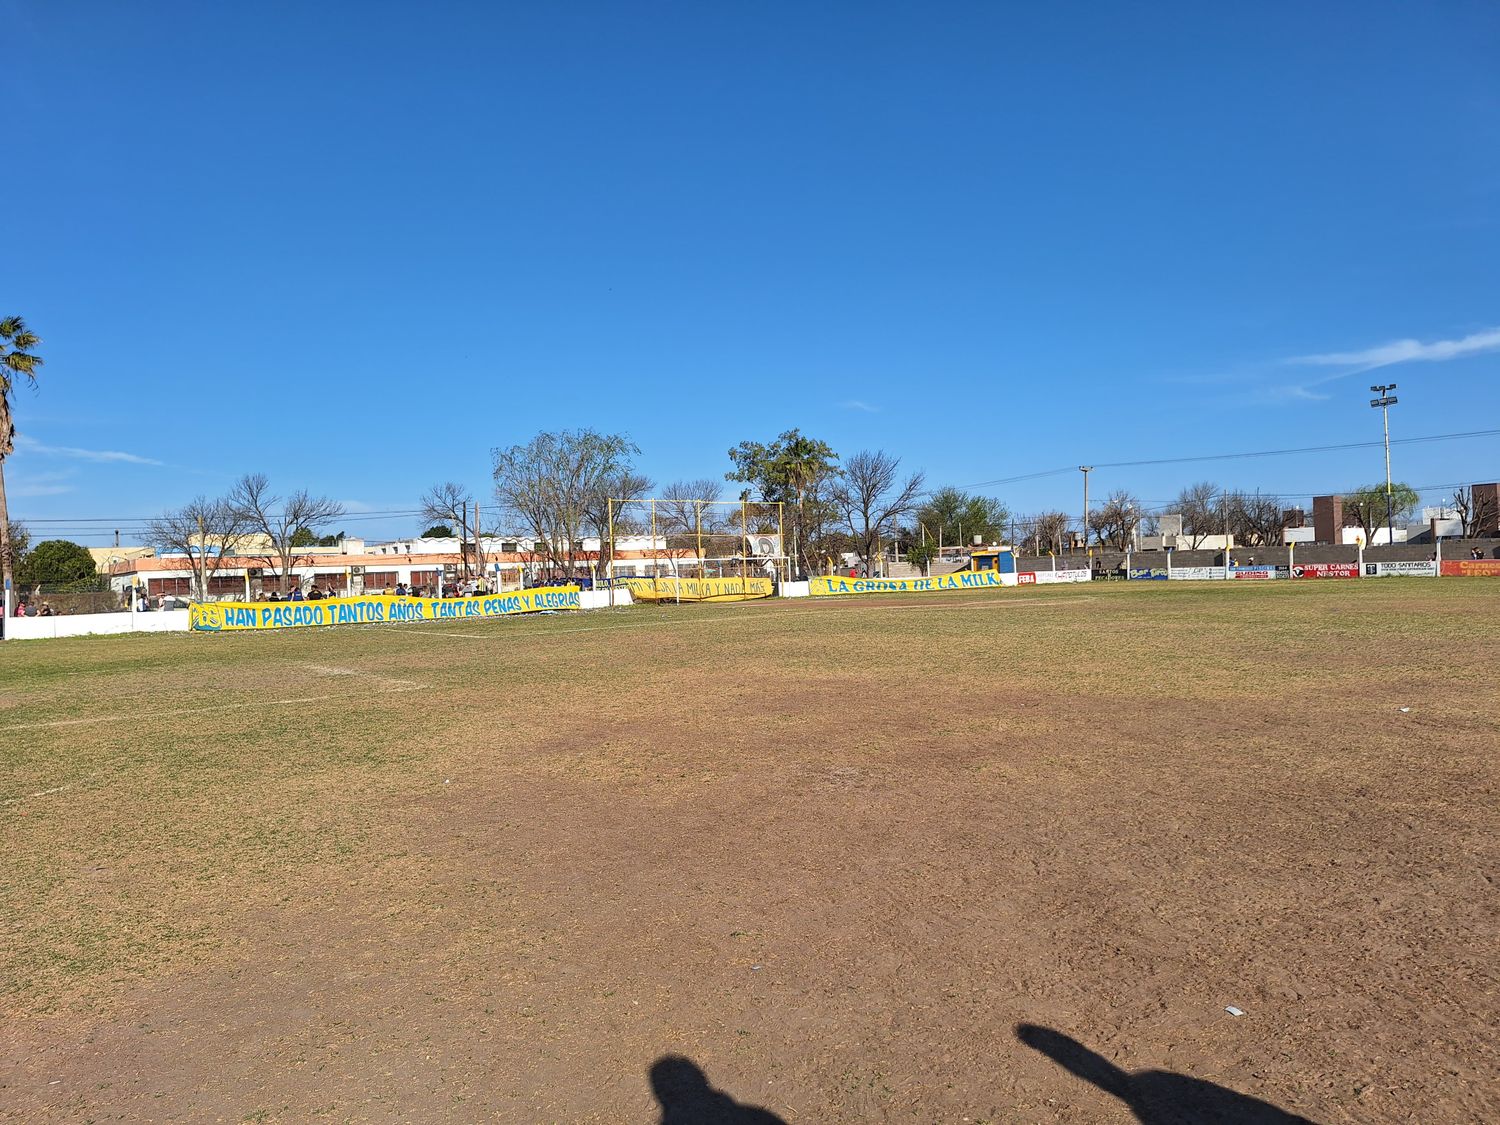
(56,562)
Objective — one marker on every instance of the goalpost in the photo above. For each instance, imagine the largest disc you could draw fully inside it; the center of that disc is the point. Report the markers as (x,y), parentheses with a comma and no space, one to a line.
(678,549)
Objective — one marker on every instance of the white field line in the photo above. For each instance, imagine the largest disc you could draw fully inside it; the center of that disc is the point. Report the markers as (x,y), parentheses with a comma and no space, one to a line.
(995,603)
(823,606)
(44,792)
(332,670)
(150,716)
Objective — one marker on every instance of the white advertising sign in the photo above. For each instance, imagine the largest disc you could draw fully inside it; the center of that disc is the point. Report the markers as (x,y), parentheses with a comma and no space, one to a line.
(1196,573)
(1401,569)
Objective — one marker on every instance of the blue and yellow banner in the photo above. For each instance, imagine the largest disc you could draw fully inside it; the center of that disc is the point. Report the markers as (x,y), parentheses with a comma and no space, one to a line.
(374,609)
(697,589)
(963,580)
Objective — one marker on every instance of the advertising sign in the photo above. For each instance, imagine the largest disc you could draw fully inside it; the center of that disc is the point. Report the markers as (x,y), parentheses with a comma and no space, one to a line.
(1401,569)
(697,589)
(1045,577)
(1326,570)
(1196,573)
(1147,573)
(962,580)
(1471,568)
(1253,572)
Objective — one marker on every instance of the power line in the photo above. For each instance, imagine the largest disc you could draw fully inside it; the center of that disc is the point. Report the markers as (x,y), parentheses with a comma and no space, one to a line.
(1236,456)
(122,521)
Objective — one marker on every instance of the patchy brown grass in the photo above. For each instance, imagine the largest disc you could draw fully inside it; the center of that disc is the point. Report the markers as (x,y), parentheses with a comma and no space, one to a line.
(834,852)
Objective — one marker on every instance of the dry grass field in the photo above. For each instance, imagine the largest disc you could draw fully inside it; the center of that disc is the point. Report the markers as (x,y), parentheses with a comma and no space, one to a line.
(1001,857)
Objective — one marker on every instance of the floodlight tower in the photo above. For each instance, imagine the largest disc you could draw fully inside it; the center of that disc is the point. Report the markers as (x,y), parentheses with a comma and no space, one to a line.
(1385,401)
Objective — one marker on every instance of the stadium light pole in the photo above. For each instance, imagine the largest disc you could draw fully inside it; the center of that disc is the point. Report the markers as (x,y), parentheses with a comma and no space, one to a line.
(1385,401)
(1085,470)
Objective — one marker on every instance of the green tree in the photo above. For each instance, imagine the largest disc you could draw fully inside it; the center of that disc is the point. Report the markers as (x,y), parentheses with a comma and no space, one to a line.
(797,471)
(952,517)
(304,537)
(1367,507)
(438,531)
(18,359)
(57,562)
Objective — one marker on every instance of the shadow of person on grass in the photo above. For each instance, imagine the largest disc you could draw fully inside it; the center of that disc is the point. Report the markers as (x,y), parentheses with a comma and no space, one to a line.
(687,1099)
(1156,1097)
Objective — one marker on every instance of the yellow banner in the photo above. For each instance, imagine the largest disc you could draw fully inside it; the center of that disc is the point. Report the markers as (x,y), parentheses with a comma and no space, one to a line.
(963,580)
(697,589)
(374,609)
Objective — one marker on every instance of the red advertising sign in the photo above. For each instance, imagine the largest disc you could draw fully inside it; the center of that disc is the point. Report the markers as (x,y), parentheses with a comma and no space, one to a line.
(1026,578)
(1326,570)
(1471,568)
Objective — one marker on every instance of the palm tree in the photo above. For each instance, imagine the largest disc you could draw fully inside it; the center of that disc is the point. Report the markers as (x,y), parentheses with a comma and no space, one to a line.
(16,358)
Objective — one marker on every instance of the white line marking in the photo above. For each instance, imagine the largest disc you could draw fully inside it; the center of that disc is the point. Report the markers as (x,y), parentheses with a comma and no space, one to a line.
(992,603)
(38,793)
(821,606)
(151,716)
(331,670)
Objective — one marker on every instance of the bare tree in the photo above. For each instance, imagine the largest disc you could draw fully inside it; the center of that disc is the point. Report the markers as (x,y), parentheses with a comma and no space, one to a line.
(871,500)
(1254,520)
(452,504)
(279,520)
(1201,515)
(1114,522)
(1043,532)
(557,485)
(686,510)
(208,532)
(621,488)
(1476,511)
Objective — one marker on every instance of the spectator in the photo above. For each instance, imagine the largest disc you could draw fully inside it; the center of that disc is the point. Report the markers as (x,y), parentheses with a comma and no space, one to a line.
(21,608)
(296,595)
(314,594)
(47,610)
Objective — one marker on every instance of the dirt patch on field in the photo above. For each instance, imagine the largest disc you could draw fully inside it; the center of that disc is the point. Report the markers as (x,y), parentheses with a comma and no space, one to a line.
(918,887)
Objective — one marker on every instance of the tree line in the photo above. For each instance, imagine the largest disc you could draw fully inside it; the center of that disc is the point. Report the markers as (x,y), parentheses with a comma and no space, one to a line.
(562,488)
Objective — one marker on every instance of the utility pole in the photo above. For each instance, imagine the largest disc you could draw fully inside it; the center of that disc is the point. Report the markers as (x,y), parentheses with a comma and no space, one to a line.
(1085,470)
(1385,401)
(478,562)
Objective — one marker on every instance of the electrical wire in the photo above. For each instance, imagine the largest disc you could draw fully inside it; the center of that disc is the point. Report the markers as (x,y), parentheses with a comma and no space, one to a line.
(1235,456)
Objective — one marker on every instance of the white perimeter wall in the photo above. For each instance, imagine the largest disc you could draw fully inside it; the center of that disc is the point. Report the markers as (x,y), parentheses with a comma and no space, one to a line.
(176,620)
(83,624)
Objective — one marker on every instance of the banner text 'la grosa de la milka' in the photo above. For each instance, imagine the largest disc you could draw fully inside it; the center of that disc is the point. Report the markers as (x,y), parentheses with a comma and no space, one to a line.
(375,609)
(962,580)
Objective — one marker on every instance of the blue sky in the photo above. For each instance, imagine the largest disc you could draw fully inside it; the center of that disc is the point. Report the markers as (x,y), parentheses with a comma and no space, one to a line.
(356,246)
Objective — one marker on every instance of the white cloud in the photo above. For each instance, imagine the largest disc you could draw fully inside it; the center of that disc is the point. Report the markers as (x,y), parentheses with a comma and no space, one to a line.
(114,456)
(1407,351)
(856,404)
(29,491)
(40,484)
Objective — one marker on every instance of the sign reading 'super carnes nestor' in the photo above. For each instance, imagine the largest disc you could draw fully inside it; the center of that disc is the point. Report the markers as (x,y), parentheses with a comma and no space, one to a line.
(228,617)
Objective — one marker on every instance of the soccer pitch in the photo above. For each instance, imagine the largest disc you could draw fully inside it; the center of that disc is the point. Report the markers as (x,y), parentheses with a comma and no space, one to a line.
(839,854)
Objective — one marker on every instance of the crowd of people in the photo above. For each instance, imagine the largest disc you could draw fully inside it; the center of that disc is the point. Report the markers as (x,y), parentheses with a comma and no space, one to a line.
(467,588)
